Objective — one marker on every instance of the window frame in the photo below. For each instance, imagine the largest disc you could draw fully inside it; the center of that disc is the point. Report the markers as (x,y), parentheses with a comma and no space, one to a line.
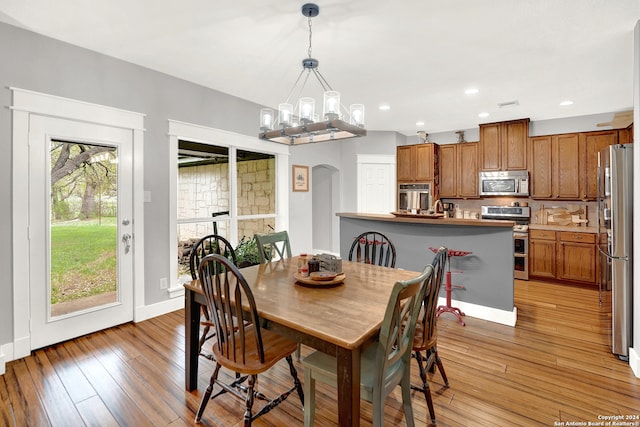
(232,141)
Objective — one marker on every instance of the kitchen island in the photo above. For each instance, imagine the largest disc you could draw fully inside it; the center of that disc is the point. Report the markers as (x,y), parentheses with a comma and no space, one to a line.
(486,273)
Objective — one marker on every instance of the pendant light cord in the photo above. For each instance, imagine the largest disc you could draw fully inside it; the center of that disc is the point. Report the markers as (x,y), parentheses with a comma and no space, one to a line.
(310,34)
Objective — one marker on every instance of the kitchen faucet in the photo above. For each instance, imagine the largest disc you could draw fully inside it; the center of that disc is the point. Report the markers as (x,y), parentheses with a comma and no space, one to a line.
(434,208)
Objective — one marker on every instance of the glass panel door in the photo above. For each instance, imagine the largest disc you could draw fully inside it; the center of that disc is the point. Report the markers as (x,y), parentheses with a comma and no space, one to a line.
(80,228)
(83,227)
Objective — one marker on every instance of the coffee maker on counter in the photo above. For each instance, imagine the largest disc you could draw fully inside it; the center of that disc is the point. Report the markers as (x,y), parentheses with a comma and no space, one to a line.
(447,209)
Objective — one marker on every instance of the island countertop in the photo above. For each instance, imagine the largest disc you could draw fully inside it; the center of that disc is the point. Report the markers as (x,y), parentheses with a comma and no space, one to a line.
(426,219)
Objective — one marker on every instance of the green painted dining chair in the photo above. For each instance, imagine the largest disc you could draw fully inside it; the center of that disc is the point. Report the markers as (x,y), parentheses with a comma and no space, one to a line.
(383,365)
(273,246)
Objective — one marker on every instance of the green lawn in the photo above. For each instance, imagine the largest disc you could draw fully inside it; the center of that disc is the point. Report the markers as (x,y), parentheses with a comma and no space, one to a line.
(83,259)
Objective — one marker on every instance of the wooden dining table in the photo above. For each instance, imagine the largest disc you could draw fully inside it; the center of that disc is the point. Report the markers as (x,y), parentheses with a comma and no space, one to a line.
(340,320)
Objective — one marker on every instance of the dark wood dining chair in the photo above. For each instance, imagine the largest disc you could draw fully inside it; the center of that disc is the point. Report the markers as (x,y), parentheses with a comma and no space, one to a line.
(273,246)
(373,247)
(244,348)
(425,338)
(383,365)
(210,244)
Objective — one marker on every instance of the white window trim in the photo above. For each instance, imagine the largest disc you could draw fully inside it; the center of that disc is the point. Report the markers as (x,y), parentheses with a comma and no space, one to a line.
(25,103)
(180,130)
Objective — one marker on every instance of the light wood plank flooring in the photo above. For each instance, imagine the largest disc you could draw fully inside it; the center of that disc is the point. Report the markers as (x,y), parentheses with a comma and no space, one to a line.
(553,367)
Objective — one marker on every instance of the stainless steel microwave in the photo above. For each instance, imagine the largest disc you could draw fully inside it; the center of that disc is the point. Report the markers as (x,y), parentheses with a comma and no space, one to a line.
(504,183)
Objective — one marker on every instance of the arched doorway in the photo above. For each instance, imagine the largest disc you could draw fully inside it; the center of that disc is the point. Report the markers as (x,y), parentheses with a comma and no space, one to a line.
(325,182)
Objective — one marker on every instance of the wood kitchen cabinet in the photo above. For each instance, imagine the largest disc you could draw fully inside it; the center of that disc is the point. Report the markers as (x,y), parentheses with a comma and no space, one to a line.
(503,145)
(555,167)
(563,167)
(417,163)
(541,171)
(542,254)
(593,143)
(625,136)
(577,257)
(459,170)
(563,256)
(567,167)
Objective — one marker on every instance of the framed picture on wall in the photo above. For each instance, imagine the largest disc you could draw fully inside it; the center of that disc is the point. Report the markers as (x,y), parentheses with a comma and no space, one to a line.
(300,178)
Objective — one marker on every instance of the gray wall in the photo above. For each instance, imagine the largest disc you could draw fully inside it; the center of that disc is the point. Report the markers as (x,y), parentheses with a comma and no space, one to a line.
(342,156)
(34,62)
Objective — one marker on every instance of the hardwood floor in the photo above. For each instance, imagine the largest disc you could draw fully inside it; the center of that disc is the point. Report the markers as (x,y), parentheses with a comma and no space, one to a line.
(553,367)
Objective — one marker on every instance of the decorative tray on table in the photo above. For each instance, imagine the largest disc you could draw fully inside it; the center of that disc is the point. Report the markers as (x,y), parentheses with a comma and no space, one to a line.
(320,279)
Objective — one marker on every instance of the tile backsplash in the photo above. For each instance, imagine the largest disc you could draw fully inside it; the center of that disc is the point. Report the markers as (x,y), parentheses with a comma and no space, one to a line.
(474,205)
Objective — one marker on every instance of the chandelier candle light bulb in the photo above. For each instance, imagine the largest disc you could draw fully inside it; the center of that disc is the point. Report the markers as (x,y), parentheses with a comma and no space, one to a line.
(266,119)
(307,109)
(331,104)
(285,113)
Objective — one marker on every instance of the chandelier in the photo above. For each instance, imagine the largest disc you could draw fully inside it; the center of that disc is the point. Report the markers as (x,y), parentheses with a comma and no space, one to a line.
(301,124)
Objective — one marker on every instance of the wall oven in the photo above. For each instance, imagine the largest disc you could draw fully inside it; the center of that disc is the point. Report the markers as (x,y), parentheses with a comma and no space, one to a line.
(521,215)
(414,198)
(504,183)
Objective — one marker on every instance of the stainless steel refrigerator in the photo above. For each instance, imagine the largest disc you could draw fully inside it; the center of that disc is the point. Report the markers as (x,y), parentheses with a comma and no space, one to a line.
(615,229)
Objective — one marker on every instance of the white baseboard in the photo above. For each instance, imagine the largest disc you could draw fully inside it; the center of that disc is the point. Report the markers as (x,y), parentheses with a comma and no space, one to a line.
(145,312)
(3,359)
(503,317)
(634,361)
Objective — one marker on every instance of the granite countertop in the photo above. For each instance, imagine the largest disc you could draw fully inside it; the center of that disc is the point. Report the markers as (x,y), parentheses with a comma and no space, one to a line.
(427,219)
(569,228)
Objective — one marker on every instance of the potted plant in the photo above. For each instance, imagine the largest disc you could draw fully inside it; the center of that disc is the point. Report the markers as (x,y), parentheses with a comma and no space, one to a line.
(247,252)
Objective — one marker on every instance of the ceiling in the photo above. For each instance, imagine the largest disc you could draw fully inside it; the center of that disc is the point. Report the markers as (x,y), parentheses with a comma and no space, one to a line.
(417,56)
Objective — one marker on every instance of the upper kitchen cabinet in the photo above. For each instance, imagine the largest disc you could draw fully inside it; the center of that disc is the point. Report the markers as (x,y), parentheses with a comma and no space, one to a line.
(417,163)
(564,166)
(625,136)
(541,170)
(593,143)
(555,167)
(503,145)
(459,170)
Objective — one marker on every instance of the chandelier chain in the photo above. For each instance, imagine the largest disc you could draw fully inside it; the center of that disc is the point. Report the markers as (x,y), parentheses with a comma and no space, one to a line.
(310,34)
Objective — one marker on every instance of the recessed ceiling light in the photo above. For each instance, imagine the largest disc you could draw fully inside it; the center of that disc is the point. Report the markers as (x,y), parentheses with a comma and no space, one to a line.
(420,123)
(485,114)
(471,91)
(566,102)
(384,107)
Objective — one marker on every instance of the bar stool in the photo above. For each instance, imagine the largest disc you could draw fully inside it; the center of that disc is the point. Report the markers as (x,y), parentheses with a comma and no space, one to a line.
(448,286)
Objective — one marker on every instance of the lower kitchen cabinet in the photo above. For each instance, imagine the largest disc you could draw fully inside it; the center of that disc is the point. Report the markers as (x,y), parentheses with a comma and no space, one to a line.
(542,254)
(563,256)
(577,257)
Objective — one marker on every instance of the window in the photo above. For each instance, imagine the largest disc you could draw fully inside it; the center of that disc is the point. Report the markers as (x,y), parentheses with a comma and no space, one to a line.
(229,187)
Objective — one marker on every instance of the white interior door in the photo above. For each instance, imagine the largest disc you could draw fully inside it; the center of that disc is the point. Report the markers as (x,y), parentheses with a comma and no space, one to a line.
(80,228)
(376,184)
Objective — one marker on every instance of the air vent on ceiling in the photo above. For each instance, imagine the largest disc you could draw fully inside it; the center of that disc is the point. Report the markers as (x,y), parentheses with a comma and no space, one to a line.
(508,104)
